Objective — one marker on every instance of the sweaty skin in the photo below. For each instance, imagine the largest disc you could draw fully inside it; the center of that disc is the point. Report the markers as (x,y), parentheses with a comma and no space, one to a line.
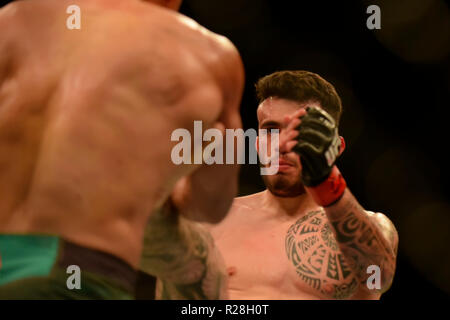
(86,115)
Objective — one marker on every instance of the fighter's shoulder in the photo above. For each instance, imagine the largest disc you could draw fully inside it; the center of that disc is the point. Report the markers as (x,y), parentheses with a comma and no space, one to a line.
(246,203)
(217,42)
(212,49)
(386,226)
(23,16)
(224,47)
(17,9)
(238,213)
(218,46)
(10,15)
(381,219)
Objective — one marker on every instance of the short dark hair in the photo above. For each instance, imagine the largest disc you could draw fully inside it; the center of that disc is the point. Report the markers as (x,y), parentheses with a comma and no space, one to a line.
(300,86)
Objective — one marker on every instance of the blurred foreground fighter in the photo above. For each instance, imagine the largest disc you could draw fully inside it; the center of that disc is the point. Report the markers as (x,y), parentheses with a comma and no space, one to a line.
(86,118)
(305,236)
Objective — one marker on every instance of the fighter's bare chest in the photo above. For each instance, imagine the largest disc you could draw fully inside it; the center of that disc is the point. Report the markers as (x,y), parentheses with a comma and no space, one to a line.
(297,257)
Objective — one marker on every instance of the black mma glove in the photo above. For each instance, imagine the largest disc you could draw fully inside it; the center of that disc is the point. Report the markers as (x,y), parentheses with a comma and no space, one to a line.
(318,146)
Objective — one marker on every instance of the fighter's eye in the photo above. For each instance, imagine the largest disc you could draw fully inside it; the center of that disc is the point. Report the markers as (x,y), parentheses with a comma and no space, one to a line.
(272,130)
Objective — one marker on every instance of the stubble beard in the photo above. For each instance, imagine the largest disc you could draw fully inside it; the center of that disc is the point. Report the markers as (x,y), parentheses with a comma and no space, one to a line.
(282,187)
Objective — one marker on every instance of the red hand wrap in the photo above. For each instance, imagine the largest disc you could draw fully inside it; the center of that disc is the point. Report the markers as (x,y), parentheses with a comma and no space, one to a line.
(329,191)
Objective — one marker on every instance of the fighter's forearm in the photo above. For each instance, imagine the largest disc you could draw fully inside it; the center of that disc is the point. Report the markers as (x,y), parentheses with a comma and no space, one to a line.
(213,187)
(361,240)
(211,191)
(182,255)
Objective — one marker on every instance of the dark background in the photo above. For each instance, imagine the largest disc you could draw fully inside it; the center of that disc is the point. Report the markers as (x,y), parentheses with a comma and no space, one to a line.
(394,84)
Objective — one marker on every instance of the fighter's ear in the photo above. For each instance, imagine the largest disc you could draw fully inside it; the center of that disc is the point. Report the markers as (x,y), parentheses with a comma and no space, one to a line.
(342,148)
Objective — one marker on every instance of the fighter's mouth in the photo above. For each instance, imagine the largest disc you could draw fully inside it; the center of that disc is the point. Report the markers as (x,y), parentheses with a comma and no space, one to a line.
(284,163)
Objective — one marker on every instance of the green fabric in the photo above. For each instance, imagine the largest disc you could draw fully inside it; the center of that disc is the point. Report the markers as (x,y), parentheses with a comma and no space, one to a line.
(25,256)
(54,287)
(29,271)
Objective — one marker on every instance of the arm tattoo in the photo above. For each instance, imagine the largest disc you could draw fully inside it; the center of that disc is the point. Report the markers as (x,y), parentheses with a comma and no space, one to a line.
(311,247)
(182,255)
(365,239)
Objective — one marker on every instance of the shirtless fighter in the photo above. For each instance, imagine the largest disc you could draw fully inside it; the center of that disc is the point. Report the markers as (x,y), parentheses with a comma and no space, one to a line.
(85,123)
(305,236)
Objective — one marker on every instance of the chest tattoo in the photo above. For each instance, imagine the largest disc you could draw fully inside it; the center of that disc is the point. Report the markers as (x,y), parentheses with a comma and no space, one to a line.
(312,248)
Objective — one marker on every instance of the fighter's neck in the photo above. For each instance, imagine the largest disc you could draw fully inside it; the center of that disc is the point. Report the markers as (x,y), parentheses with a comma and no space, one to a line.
(289,206)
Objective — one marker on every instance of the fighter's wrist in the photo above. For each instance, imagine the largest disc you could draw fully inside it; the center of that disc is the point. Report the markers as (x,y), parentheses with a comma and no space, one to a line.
(330,190)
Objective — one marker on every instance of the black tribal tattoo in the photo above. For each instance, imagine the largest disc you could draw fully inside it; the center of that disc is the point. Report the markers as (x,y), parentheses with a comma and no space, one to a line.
(364,242)
(365,238)
(313,250)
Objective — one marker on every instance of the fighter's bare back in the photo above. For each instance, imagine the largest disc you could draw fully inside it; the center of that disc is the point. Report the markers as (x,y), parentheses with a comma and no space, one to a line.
(86,115)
